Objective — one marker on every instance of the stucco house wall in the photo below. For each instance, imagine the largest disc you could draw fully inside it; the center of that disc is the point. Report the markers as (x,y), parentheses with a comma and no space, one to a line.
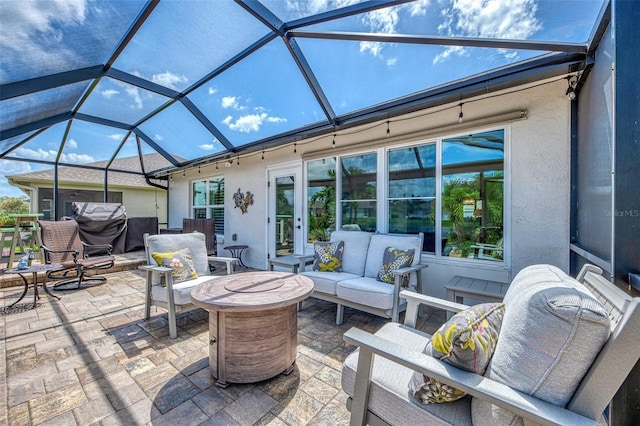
(537,170)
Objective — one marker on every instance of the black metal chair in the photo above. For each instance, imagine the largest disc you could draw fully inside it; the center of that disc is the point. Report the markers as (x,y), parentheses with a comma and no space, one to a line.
(62,245)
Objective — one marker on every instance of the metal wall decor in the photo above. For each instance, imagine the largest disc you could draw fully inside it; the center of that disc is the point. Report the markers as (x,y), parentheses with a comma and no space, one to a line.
(243,200)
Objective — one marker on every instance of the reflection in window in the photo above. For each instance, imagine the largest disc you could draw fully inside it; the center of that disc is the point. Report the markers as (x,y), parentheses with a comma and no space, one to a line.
(412,192)
(208,201)
(358,201)
(473,195)
(321,199)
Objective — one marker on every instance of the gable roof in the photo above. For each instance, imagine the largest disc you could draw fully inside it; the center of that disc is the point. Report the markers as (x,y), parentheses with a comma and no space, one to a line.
(95,174)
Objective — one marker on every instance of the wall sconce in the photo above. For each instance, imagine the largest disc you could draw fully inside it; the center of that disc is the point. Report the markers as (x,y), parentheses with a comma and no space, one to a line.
(571,90)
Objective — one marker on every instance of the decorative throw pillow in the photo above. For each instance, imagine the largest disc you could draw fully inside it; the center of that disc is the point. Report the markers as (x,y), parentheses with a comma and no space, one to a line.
(466,341)
(392,260)
(180,261)
(328,256)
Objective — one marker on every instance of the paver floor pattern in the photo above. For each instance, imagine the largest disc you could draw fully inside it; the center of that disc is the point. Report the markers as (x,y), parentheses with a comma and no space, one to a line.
(91,359)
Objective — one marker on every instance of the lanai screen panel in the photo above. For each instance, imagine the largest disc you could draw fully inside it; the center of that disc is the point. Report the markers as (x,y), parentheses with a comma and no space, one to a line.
(47,37)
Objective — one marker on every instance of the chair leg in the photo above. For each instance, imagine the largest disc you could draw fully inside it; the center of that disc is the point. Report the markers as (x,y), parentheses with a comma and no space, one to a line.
(173,329)
(339,314)
(147,297)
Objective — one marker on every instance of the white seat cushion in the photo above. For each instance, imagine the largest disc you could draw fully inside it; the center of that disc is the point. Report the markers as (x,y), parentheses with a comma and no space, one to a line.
(181,291)
(390,397)
(325,282)
(366,291)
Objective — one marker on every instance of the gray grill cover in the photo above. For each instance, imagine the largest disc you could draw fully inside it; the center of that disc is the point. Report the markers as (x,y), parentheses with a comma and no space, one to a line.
(101,223)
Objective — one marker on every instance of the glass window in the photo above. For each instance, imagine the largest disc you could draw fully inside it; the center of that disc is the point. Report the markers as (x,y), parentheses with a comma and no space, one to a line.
(412,192)
(465,181)
(358,202)
(321,199)
(208,201)
(473,196)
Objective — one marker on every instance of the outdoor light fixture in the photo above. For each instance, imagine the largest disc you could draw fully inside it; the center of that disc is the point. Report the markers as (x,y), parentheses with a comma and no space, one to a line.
(238,161)
(228,163)
(388,130)
(571,90)
(333,144)
(295,150)
(461,114)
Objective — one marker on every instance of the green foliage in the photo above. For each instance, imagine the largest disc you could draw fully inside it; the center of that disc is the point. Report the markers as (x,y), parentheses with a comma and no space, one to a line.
(323,218)
(12,205)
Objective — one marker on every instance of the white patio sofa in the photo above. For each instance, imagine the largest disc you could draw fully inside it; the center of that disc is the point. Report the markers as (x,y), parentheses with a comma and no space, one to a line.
(356,286)
(564,349)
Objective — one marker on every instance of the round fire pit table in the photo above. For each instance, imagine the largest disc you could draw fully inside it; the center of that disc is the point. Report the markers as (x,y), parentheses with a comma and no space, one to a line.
(253,323)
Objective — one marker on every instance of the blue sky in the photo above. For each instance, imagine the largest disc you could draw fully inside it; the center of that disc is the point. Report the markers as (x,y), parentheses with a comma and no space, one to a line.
(264,94)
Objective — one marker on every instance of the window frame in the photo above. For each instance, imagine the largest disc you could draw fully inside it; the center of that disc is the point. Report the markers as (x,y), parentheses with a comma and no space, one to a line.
(382,182)
(208,207)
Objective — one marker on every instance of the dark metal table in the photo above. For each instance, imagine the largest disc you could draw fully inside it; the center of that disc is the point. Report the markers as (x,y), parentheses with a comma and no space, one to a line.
(236,251)
(34,270)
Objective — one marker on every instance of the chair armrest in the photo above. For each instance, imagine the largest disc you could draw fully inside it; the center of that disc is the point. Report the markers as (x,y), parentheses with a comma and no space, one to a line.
(228,260)
(107,247)
(303,259)
(155,268)
(414,300)
(47,250)
(478,386)
(409,269)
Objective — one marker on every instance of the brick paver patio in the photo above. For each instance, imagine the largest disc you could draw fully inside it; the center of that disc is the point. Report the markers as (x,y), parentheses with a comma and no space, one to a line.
(90,359)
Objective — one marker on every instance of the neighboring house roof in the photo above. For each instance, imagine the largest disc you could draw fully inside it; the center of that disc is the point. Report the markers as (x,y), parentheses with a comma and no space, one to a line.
(68,175)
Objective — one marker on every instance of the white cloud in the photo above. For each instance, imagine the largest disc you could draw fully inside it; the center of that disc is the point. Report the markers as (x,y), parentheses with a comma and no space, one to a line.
(169,80)
(134,94)
(71,143)
(231,102)
(501,19)
(116,136)
(32,28)
(109,93)
(50,155)
(158,137)
(212,91)
(207,146)
(10,168)
(252,122)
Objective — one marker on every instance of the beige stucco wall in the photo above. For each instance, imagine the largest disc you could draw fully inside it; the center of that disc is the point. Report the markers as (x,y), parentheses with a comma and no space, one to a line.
(537,167)
(146,203)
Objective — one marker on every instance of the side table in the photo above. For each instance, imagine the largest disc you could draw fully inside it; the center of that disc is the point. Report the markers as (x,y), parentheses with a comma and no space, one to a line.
(34,270)
(236,251)
(292,262)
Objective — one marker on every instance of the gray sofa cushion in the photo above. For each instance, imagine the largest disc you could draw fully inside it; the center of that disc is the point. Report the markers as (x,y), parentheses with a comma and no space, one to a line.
(181,291)
(195,241)
(366,291)
(356,245)
(553,329)
(379,243)
(390,398)
(325,282)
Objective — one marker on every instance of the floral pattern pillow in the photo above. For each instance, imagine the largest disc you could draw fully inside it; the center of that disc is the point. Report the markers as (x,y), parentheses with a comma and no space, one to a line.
(466,341)
(328,256)
(180,261)
(392,260)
